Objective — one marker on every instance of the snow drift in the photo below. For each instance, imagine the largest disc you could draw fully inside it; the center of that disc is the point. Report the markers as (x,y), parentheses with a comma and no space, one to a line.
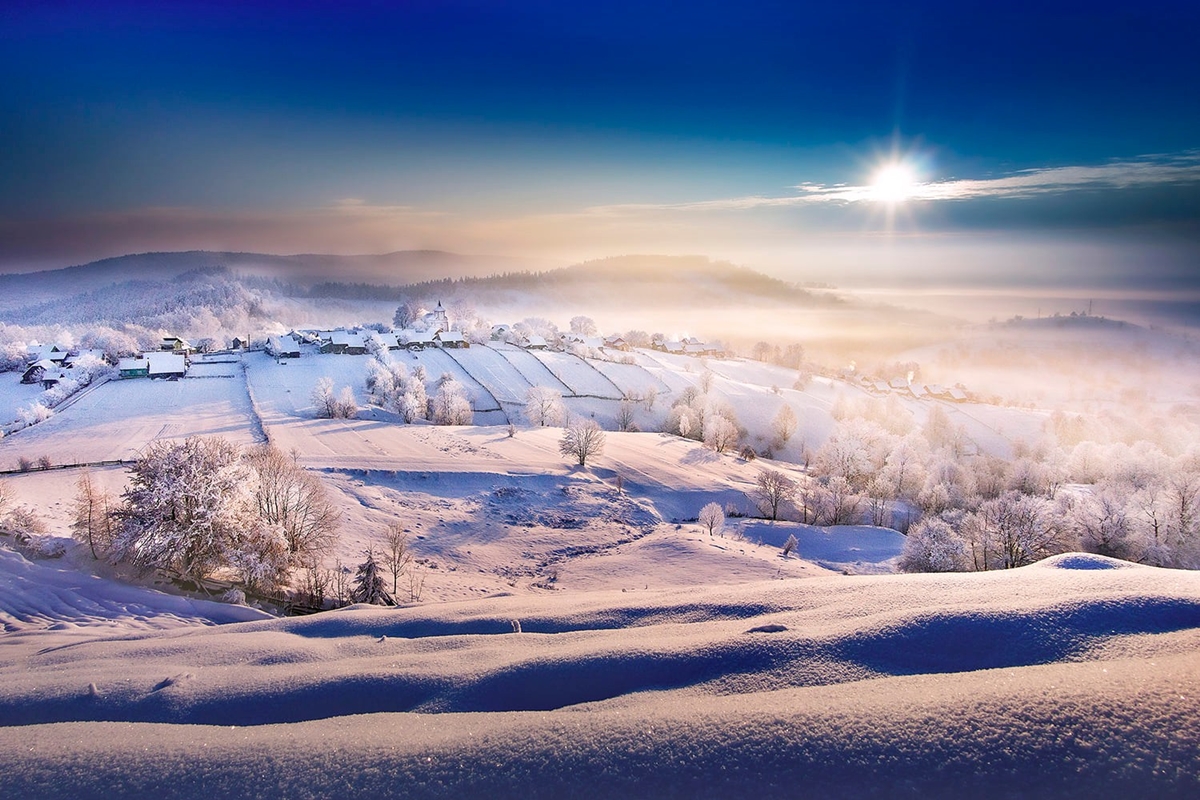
(1060,679)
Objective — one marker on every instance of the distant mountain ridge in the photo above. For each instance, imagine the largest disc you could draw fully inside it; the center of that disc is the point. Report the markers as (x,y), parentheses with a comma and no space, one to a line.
(398,268)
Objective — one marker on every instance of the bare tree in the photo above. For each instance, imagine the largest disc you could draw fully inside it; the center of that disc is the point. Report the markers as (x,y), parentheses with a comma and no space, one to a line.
(712,518)
(416,582)
(773,489)
(93,523)
(582,440)
(294,500)
(396,555)
(625,422)
(544,406)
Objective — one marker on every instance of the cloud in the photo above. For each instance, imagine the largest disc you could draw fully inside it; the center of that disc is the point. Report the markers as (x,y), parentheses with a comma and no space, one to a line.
(1145,172)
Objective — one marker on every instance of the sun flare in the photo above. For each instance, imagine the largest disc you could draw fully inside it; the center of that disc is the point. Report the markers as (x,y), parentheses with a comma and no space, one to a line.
(894,183)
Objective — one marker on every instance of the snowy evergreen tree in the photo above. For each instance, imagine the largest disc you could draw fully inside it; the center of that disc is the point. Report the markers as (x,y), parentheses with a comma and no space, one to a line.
(368,584)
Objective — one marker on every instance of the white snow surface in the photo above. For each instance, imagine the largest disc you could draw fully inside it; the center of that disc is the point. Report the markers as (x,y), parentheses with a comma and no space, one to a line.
(1047,681)
(652,659)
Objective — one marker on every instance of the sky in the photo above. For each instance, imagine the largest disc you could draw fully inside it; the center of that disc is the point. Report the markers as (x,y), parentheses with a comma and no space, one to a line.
(1039,142)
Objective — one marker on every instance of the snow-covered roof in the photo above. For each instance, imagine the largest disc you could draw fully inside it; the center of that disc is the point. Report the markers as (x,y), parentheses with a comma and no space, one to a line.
(82,354)
(414,336)
(533,340)
(126,364)
(284,344)
(450,336)
(348,338)
(166,363)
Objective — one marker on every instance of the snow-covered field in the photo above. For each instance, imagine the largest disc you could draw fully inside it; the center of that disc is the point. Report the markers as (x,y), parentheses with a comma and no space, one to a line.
(115,420)
(14,395)
(1072,678)
(578,633)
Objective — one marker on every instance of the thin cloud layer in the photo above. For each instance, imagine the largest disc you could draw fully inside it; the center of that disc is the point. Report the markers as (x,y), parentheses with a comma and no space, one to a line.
(1146,172)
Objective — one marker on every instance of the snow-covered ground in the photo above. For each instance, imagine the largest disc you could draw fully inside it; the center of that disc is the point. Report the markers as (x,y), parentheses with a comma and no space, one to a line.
(1075,677)
(14,395)
(115,420)
(578,633)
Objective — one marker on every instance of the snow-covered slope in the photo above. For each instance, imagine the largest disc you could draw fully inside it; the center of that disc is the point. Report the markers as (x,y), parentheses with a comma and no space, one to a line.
(1055,680)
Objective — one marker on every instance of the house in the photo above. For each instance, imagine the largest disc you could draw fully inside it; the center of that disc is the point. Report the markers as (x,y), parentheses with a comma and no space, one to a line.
(53,378)
(898,385)
(350,343)
(38,370)
(411,339)
(133,368)
(534,342)
(46,352)
(283,347)
(500,333)
(166,365)
(957,395)
(615,342)
(450,339)
(85,355)
(695,348)
(174,344)
(676,348)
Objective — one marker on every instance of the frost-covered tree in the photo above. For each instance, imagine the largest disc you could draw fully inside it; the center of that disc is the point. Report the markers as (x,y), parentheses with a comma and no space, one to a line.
(544,406)
(1013,530)
(772,490)
(720,434)
(323,398)
(582,439)
(345,407)
(408,314)
(331,406)
(1103,523)
(34,413)
(790,545)
(583,326)
(712,518)
(933,546)
(838,502)
(784,425)
(450,404)
(189,507)
(368,584)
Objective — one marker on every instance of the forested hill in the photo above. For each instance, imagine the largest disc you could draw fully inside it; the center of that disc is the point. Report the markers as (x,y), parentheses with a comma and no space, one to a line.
(399,268)
(657,281)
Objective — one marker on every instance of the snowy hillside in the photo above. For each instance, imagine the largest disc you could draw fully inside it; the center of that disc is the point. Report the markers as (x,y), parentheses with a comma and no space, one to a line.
(1071,678)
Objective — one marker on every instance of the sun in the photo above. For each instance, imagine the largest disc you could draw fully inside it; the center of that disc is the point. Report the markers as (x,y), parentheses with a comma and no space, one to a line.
(894,183)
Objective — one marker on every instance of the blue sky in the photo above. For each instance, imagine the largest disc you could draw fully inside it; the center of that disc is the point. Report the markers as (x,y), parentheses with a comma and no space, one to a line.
(576,130)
